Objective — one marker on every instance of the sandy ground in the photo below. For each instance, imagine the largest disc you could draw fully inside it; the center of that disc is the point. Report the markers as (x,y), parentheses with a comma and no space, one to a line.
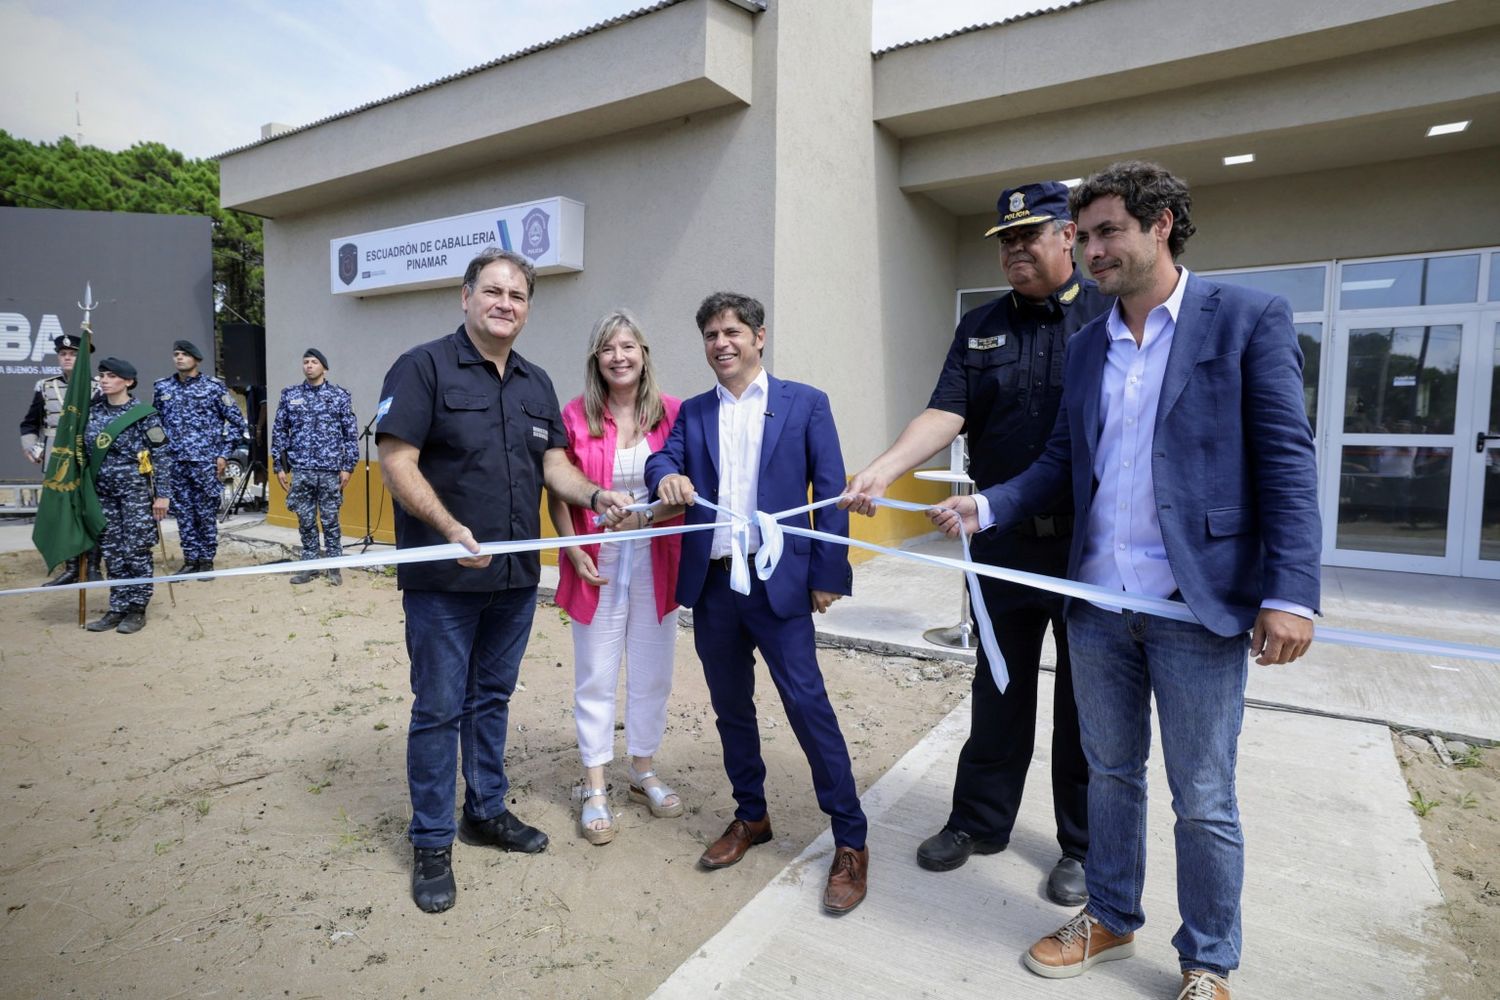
(217,806)
(1459,806)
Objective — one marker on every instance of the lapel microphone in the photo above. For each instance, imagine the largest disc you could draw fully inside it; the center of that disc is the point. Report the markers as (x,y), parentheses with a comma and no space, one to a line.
(770,414)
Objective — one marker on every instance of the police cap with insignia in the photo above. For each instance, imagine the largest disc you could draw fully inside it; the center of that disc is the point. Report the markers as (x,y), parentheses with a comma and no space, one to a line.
(70,342)
(117,366)
(1031,204)
(187,347)
(313,352)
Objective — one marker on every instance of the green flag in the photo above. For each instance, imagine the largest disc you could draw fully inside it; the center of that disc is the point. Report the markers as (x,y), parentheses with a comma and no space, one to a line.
(68,518)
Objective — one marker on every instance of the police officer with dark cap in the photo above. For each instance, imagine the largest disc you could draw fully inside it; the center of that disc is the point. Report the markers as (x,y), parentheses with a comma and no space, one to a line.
(132,465)
(1001,384)
(204,423)
(39,427)
(315,438)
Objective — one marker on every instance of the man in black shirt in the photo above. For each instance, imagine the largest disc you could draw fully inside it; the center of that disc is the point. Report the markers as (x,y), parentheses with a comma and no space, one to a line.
(469,431)
(1001,384)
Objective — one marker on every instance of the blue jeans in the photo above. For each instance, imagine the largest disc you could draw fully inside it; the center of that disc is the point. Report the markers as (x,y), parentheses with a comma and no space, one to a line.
(465,651)
(1120,661)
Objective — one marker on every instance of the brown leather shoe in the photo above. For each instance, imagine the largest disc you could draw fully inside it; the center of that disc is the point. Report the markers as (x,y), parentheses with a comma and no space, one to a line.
(846,880)
(738,838)
(1200,984)
(1075,946)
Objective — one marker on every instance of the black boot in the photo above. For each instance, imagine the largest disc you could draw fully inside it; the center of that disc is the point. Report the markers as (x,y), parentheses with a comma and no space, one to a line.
(96,571)
(336,578)
(68,575)
(188,566)
(432,885)
(135,620)
(205,566)
(109,621)
(306,576)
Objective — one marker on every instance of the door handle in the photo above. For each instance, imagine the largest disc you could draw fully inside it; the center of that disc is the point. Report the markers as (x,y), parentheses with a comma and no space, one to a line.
(1481,438)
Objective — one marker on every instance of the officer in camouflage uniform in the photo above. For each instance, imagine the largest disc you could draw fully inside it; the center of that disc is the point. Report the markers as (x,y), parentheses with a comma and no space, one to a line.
(39,427)
(204,424)
(128,450)
(315,436)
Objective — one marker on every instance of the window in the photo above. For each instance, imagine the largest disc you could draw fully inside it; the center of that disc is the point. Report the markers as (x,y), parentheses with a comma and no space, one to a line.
(1415,281)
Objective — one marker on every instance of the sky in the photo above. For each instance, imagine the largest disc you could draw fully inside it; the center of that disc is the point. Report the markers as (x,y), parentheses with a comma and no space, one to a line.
(202,76)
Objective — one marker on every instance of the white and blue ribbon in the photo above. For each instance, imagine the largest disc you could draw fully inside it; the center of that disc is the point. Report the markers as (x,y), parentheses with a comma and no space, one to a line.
(772,544)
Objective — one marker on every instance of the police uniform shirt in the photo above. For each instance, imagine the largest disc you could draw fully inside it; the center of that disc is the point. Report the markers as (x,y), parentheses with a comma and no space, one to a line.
(481,439)
(1003,375)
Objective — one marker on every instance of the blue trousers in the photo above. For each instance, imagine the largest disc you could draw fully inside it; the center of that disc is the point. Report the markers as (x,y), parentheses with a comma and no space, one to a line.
(727,630)
(465,651)
(1120,662)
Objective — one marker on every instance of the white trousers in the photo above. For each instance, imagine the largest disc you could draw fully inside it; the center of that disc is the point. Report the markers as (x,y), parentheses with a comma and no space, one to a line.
(627,629)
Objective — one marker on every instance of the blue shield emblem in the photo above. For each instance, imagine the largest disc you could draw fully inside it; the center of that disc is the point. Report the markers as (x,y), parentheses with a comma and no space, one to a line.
(534,238)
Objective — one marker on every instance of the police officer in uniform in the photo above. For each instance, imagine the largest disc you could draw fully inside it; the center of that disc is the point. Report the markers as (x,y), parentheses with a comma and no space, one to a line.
(39,427)
(1001,383)
(204,423)
(132,466)
(315,436)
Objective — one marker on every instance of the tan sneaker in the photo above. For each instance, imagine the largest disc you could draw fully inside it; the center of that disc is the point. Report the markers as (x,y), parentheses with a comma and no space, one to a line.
(1075,946)
(1200,984)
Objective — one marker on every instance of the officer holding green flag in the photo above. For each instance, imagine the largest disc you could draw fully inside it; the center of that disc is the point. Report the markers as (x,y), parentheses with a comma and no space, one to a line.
(127,450)
(68,518)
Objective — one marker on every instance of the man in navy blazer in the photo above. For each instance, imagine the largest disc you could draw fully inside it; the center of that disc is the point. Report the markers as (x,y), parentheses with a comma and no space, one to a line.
(758,443)
(1184,437)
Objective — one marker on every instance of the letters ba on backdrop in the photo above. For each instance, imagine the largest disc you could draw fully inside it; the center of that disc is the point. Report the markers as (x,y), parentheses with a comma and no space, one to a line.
(433,254)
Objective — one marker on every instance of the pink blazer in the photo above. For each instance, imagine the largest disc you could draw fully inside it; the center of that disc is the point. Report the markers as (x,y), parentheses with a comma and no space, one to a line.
(595,456)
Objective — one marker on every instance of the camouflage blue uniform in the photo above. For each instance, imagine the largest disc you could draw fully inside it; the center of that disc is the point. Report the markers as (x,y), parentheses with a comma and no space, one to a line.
(315,437)
(204,423)
(125,495)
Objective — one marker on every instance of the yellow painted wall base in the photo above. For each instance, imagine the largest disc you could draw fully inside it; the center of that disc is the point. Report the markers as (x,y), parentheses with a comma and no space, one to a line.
(888,527)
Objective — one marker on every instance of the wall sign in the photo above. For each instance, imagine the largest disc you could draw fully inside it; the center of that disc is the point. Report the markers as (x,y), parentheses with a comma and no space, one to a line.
(433,254)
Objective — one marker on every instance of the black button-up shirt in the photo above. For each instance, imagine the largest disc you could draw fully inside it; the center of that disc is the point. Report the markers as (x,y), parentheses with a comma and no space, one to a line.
(481,438)
(1003,375)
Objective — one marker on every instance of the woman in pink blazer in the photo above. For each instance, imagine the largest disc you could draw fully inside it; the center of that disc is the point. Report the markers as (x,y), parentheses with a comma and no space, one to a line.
(620,595)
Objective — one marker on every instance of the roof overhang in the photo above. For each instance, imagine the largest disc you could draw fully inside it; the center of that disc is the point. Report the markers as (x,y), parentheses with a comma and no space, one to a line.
(592,85)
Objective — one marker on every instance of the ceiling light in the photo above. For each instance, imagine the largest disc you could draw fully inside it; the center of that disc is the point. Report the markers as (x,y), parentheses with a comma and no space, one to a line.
(1230,161)
(1447,129)
(1073,182)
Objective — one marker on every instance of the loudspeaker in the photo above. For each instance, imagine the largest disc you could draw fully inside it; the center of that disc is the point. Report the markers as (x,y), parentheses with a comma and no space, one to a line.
(242,355)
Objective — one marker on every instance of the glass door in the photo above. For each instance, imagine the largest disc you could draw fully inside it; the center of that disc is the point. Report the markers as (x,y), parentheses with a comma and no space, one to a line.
(1480,540)
(1395,473)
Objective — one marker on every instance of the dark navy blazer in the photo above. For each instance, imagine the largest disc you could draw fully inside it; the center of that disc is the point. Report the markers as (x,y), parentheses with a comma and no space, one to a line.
(799,447)
(1232,458)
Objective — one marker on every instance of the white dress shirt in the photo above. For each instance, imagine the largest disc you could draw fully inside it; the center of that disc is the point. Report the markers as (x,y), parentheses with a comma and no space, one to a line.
(742,425)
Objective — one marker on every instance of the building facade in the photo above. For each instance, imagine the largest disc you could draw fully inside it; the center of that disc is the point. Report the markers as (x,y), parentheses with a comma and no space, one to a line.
(763,148)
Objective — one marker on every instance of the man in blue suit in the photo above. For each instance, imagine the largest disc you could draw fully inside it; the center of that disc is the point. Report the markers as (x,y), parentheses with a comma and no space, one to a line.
(1184,437)
(758,443)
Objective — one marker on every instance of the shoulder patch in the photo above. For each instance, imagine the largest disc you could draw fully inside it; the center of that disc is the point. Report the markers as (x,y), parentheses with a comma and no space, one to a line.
(384,408)
(229,398)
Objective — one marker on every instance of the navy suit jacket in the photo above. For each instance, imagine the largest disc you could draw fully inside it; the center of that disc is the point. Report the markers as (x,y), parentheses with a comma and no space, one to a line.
(1232,458)
(799,448)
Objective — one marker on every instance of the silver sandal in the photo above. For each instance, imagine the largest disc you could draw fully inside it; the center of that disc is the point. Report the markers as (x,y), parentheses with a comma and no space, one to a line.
(653,797)
(588,814)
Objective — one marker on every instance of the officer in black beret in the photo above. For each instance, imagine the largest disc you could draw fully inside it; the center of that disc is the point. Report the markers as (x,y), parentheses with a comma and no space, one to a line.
(132,465)
(1001,384)
(39,427)
(205,424)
